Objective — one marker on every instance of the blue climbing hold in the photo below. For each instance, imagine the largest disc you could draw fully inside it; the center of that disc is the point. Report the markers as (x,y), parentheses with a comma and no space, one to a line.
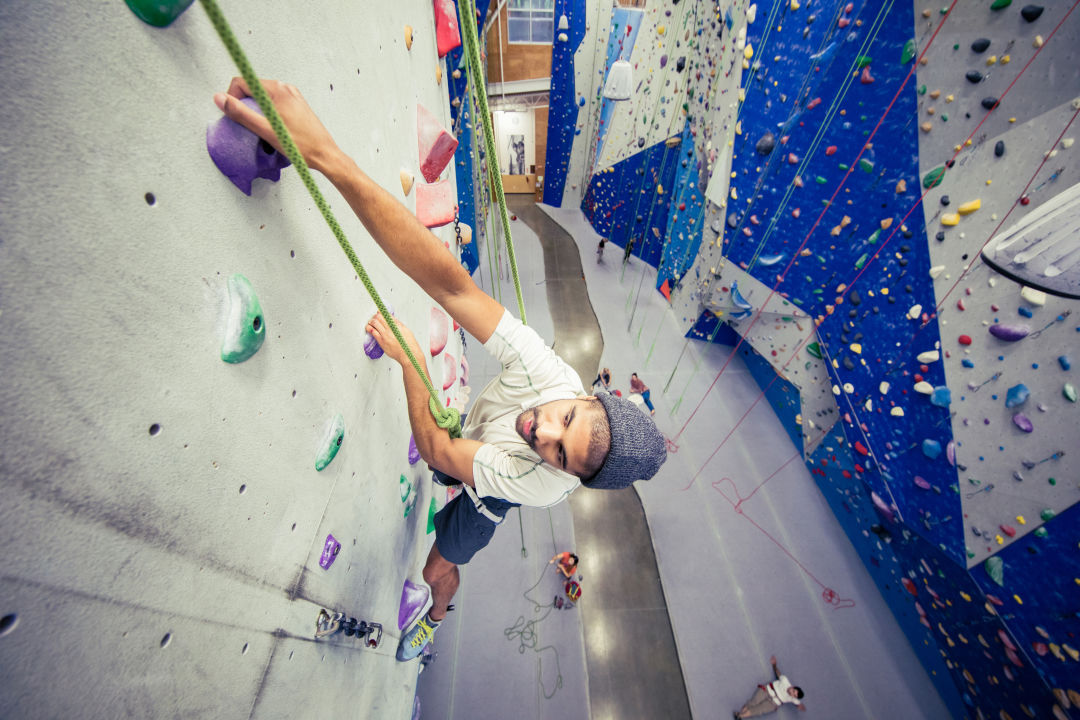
(967,363)
(1025,312)
(1065,363)
(1017,395)
(931,448)
(941,397)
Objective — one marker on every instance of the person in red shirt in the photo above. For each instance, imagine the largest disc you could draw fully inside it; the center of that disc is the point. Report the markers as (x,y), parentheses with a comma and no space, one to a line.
(636,386)
(567,563)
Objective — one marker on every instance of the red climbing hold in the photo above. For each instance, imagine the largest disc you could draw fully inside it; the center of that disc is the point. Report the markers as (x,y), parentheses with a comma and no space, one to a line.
(435,203)
(965,339)
(435,144)
(1008,530)
(831,150)
(447,34)
(860,448)
(909,586)
(813,104)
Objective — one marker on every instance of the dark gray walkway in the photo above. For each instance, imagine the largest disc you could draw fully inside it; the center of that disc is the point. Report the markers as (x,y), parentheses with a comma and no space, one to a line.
(632,662)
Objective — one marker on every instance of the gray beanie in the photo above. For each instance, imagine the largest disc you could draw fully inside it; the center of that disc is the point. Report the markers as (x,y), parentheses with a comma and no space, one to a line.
(638,449)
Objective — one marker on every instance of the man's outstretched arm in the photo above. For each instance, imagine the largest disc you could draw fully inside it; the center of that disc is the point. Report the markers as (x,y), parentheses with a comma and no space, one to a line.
(404,239)
(453,456)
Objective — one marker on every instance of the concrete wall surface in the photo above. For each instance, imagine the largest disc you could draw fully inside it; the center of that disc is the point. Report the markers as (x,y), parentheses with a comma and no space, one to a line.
(162,519)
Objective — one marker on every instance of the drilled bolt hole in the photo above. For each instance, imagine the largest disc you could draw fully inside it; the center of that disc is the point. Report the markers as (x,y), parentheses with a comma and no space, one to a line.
(150,199)
(8,623)
(155,429)
(243,489)
(244,651)
(166,640)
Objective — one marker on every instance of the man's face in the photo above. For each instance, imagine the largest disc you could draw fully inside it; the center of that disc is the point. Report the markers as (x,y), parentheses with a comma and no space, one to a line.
(793,692)
(559,432)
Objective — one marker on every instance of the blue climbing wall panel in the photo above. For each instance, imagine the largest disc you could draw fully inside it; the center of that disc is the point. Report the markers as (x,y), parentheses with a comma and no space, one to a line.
(562,102)
(684,226)
(462,113)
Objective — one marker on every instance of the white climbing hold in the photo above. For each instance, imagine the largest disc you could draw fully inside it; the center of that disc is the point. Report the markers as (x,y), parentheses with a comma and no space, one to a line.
(924,388)
(897,411)
(849,388)
(915,312)
(835,389)
(751,14)
(936,271)
(928,357)
(1033,296)
(883,388)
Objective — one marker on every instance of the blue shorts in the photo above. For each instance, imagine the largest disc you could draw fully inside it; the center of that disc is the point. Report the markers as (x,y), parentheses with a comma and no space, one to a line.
(461,530)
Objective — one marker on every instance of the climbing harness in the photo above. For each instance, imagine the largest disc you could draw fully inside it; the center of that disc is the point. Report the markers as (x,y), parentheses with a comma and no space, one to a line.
(445,418)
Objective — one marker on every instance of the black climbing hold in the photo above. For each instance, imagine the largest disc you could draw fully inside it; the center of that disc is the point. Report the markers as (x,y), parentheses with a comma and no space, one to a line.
(950,163)
(641,142)
(989,102)
(854,298)
(945,200)
(1031,13)
(980,45)
(974,76)
(940,236)
(849,364)
(902,262)
(908,233)
(999,148)
(908,289)
(766,144)
(680,64)
(905,248)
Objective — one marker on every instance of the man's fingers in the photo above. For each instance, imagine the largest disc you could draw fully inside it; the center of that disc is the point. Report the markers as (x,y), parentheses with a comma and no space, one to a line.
(238,88)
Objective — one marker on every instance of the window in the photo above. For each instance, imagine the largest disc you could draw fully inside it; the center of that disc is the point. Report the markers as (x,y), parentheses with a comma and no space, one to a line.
(531,21)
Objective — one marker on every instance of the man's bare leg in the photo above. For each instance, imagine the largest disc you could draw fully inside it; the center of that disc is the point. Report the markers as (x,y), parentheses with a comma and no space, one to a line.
(443,578)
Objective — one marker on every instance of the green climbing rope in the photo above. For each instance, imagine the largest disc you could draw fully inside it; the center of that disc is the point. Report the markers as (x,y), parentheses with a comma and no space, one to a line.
(446,418)
(470,35)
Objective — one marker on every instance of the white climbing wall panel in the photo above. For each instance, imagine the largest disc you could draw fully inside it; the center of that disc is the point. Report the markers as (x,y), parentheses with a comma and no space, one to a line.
(176,573)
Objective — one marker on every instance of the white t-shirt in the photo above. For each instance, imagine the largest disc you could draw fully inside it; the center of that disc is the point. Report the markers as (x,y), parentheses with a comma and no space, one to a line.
(778,691)
(506,467)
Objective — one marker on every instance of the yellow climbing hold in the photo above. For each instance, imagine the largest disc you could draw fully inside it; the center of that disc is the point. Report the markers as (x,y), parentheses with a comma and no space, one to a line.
(1005,59)
(967,676)
(1020,519)
(856,348)
(950,219)
(969,207)
(992,60)
(1057,651)
(886,223)
(661,30)
(408,37)
(748,52)
(406,181)
(1018,600)
(1072,652)
(794,4)
(949,98)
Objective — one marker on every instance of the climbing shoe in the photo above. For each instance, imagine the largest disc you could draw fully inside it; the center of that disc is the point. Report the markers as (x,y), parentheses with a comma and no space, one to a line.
(413,642)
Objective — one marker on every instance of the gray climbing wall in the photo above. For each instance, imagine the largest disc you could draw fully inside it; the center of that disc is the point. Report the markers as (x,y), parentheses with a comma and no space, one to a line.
(162,516)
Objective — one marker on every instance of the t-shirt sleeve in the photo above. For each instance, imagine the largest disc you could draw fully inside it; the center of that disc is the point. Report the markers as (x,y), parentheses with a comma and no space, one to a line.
(528,363)
(499,474)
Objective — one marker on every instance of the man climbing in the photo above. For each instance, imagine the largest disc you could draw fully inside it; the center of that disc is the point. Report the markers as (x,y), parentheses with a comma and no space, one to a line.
(532,436)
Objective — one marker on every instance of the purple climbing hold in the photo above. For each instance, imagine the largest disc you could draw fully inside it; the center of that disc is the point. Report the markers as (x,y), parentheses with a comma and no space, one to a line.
(922,482)
(331,548)
(663,60)
(1017,395)
(413,599)
(1021,421)
(371,347)
(1010,333)
(240,154)
(414,454)
(950,452)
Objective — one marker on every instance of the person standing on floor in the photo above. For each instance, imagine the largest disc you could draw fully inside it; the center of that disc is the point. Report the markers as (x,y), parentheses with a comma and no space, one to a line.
(768,698)
(636,386)
(603,380)
(532,436)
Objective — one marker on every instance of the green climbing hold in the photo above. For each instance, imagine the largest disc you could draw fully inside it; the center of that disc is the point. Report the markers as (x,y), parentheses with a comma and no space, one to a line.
(843,166)
(820,180)
(861,261)
(331,442)
(159,13)
(1069,391)
(905,57)
(1047,515)
(862,61)
(866,166)
(995,568)
(874,238)
(245,328)
(1041,533)
(934,177)
(432,509)
(1000,4)
(814,349)
(1052,481)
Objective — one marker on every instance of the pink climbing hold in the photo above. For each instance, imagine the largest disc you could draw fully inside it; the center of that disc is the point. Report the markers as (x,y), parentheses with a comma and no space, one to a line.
(1008,530)
(447,34)
(831,150)
(843,23)
(413,599)
(866,77)
(450,371)
(464,370)
(921,482)
(437,332)
(435,143)
(813,104)
(435,203)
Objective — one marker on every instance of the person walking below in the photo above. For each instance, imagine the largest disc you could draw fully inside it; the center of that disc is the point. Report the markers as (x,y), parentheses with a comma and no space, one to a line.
(636,386)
